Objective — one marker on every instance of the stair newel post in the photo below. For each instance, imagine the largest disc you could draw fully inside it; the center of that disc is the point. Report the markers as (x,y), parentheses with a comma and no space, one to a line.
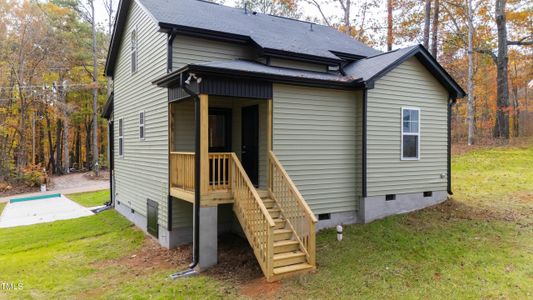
(270,251)
(311,243)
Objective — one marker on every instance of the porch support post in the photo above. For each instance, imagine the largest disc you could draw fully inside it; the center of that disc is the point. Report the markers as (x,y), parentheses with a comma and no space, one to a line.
(204,144)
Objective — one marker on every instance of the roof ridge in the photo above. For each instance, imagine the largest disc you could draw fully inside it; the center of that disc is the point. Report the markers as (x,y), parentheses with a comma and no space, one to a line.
(390,52)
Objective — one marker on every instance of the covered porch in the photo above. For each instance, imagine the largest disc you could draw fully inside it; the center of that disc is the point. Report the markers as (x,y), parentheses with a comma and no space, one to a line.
(237,128)
(220,152)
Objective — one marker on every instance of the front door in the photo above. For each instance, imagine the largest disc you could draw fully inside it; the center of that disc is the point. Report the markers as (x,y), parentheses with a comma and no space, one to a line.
(219,135)
(219,130)
(250,142)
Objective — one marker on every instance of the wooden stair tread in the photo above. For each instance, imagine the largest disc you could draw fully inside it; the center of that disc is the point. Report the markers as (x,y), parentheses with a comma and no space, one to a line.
(285,243)
(288,255)
(280,231)
(292,268)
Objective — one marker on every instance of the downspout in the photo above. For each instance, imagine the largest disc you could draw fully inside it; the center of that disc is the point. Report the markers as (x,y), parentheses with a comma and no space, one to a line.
(170,41)
(451,103)
(364,144)
(197,160)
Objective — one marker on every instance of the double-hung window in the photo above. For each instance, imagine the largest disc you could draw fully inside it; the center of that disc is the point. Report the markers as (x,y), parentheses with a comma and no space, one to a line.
(134,51)
(410,146)
(120,138)
(141,125)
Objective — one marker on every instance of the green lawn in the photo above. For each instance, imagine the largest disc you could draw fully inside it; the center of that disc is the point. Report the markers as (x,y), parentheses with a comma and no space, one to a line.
(477,245)
(76,258)
(90,199)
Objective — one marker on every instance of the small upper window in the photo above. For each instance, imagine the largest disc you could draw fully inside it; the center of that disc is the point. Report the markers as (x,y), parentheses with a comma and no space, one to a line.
(134,50)
(120,138)
(410,146)
(141,125)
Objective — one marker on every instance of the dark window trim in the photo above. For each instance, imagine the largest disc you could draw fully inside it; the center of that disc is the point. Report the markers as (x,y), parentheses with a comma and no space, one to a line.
(120,137)
(143,125)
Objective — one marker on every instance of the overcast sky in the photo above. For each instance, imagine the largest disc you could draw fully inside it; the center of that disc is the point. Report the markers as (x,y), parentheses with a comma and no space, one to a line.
(309,11)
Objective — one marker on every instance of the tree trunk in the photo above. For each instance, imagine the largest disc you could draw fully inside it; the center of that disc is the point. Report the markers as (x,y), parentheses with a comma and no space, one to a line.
(88,144)
(58,169)
(389,25)
(435,29)
(51,161)
(347,16)
(501,128)
(77,150)
(21,147)
(427,17)
(470,79)
(95,93)
(66,154)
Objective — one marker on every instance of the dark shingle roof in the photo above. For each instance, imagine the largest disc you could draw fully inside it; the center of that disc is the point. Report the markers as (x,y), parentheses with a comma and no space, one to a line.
(371,66)
(268,32)
(361,73)
(253,69)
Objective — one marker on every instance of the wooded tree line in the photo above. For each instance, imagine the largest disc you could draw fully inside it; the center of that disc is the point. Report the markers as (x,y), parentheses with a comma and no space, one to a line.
(51,87)
(484,44)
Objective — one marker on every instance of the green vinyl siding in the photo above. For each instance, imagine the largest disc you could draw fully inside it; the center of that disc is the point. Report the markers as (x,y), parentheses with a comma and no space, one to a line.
(294,64)
(408,85)
(317,138)
(187,50)
(142,173)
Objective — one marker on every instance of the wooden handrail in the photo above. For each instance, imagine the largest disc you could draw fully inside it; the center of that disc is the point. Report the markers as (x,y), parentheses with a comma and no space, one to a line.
(299,217)
(250,186)
(295,190)
(257,224)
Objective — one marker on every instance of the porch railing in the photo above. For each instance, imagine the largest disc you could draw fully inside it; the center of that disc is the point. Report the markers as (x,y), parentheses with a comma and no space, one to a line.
(219,171)
(297,213)
(182,171)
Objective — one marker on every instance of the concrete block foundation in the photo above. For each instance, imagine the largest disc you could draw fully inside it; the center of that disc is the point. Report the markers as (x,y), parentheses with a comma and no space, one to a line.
(377,207)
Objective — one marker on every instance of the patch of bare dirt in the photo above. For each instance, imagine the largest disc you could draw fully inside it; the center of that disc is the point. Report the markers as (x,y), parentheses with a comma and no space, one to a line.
(238,265)
(236,261)
(261,289)
(151,257)
(103,175)
(520,142)
(453,209)
(76,180)
(9,189)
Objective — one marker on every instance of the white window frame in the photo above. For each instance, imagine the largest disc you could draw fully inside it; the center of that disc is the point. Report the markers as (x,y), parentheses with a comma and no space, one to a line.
(120,137)
(410,133)
(134,48)
(142,125)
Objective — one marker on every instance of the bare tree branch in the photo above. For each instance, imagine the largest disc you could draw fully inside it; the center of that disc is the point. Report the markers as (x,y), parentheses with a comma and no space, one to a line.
(487,52)
(525,41)
(319,7)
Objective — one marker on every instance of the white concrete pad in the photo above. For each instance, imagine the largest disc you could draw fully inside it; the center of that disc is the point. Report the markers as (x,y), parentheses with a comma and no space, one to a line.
(34,210)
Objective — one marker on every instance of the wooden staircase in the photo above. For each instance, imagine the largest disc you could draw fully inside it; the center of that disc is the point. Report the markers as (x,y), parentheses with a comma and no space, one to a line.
(288,259)
(278,224)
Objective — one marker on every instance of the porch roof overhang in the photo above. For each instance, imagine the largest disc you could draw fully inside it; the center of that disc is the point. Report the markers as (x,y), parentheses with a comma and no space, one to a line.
(258,72)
